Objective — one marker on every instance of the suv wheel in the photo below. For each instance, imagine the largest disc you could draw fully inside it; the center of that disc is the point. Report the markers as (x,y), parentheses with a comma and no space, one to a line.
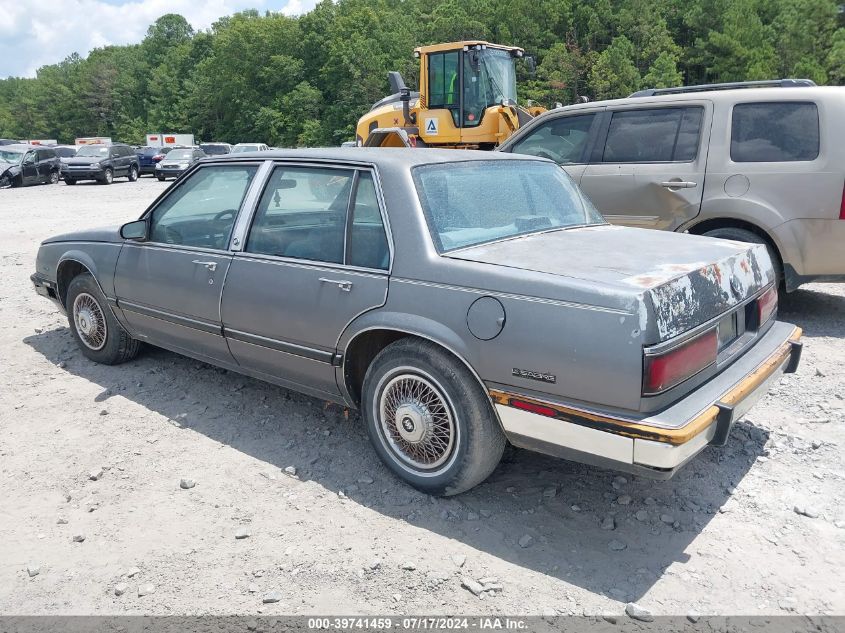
(54,177)
(69,181)
(108,177)
(429,420)
(744,235)
(98,333)
(160,178)
(133,174)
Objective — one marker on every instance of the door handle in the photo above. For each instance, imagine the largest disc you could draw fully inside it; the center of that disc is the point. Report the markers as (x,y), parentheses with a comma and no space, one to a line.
(678,184)
(212,266)
(344,285)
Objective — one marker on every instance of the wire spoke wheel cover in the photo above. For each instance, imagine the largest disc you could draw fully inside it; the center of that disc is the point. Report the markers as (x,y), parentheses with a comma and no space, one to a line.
(416,421)
(90,321)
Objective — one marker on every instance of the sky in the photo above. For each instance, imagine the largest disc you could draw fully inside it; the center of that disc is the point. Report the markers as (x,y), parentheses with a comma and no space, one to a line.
(34,33)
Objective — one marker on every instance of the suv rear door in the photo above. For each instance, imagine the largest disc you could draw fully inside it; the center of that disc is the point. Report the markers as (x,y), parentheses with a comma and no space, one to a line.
(648,164)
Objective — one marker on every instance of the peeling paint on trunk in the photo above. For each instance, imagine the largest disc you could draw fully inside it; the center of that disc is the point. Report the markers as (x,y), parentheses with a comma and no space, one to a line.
(683,297)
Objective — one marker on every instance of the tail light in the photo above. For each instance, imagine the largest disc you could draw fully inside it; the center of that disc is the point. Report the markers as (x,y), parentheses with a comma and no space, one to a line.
(664,370)
(158,157)
(842,205)
(767,304)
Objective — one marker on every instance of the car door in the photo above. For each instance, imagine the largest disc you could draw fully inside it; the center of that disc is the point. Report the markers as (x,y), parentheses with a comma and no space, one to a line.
(169,287)
(316,256)
(29,168)
(647,167)
(565,138)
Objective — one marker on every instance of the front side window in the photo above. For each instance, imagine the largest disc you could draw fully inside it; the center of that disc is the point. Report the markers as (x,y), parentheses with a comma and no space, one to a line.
(774,132)
(473,202)
(658,135)
(202,209)
(563,139)
(302,214)
(443,80)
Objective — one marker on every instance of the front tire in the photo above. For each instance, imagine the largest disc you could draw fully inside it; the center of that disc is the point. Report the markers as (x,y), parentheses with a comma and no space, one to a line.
(98,333)
(160,178)
(54,178)
(108,177)
(133,174)
(429,420)
(70,181)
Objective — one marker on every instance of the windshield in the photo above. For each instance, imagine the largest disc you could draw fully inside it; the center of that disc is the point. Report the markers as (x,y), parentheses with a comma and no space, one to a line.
(244,148)
(473,202)
(179,154)
(10,156)
(489,79)
(93,150)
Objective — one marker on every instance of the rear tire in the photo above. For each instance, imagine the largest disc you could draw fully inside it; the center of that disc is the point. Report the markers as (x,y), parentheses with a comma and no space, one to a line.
(132,176)
(98,333)
(54,178)
(744,235)
(428,418)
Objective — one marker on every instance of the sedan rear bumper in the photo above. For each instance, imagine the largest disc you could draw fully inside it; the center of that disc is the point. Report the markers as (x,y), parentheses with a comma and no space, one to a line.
(655,446)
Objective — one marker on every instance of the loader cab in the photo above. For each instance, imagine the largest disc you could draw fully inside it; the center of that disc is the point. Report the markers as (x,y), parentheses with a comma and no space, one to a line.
(466,99)
(468,80)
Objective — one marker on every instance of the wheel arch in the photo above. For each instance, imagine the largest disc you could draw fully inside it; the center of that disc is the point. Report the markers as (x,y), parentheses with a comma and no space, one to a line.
(365,343)
(724,222)
(70,265)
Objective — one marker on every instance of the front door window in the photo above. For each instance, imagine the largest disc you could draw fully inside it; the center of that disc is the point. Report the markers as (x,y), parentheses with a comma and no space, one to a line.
(202,210)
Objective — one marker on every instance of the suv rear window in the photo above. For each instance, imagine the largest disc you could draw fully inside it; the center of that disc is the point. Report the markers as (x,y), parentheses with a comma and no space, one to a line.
(774,132)
(658,135)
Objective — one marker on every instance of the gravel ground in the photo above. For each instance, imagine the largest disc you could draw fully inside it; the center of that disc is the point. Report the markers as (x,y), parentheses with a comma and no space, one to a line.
(92,458)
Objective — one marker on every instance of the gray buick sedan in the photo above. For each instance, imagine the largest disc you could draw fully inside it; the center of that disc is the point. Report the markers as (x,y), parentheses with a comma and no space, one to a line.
(461,300)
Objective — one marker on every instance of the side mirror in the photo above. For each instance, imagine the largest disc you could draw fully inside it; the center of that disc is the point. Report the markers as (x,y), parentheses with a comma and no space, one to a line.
(136,230)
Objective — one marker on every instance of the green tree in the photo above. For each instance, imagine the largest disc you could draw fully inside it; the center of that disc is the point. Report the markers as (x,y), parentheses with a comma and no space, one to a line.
(663,73)
(614,73)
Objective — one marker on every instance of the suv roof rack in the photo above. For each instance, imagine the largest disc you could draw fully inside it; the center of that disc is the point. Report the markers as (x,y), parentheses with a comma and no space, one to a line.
(766,83)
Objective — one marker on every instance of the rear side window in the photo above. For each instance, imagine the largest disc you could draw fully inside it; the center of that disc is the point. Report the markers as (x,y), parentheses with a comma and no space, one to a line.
(774,132)
(658,135)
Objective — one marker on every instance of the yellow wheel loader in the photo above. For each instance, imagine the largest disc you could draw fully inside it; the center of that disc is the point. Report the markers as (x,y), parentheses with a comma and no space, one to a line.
(467,99)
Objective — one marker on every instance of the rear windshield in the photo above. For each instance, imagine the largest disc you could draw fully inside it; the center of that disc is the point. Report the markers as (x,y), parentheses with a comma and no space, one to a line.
(473,202)
(180,154)
(214,150)
(148,151)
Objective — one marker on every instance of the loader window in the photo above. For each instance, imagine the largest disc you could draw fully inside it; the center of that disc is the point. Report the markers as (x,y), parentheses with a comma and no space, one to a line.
(443,81)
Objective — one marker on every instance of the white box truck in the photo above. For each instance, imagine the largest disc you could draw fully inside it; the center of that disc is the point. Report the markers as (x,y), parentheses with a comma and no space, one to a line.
(93,140)
(169,139)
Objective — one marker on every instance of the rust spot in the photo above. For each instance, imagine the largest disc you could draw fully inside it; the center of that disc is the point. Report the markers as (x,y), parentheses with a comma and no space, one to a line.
(744,265)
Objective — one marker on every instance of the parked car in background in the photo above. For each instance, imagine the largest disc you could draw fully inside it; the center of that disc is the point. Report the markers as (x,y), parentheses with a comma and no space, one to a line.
(460,299)
(177,162)
(8,141)
(22,165)
(249,147)
(149,157)
(102,163)
(64,151)
(216,149)
(756,162)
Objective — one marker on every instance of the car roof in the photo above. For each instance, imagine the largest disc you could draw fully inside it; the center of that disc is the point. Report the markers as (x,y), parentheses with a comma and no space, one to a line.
(740,95)
(386,156)
(23,147)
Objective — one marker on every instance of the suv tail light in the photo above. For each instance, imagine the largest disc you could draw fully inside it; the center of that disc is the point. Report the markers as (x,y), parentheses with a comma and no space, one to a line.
(665,370)
(842,205)
(767,304)
(158,157)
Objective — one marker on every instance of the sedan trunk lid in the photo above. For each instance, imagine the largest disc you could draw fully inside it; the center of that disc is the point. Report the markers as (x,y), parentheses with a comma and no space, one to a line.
(685,280)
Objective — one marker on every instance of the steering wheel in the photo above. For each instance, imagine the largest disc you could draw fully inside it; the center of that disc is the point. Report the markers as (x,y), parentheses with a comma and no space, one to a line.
(223,214)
